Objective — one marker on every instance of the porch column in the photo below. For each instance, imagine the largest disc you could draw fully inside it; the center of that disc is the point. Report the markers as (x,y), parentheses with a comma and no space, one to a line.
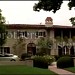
(70,40)
(65,50)
(62,39)
(74,50)
(70,34)
(61,34)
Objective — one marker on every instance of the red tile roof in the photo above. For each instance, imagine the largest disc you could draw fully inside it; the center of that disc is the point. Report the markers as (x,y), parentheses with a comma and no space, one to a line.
(58,26)
(29,26)
(24,26)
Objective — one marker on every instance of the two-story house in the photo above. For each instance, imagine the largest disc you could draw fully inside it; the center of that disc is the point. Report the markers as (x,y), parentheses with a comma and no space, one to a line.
(32,32)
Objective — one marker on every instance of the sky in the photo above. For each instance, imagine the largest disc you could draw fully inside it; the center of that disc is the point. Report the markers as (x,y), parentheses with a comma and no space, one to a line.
(21,12)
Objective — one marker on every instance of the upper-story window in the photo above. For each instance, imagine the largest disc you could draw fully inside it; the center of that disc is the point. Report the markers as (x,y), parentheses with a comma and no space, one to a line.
(44,34)
(40,34)
(24,33)
(21,33)
(37,34)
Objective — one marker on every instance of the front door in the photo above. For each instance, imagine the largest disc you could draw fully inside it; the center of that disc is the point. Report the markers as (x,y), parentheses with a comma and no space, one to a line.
(31,49)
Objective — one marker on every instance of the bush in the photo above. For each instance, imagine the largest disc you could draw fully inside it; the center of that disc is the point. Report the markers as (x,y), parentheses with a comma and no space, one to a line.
(42,61)
(65,62)
(40,54)
(23,56)
(56,57)
(49,58)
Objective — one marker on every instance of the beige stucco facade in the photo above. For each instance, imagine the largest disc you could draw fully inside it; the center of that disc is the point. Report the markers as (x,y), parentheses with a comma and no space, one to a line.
(12,38)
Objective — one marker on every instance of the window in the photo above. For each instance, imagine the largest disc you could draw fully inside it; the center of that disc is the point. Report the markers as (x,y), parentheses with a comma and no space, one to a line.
(42,34)
(36,34)
(4,50)
(25,33)
(21,33)
(18,33)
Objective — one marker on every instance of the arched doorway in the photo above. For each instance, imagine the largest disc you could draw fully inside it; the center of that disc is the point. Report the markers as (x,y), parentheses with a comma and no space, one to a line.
(31,49)
(65,50)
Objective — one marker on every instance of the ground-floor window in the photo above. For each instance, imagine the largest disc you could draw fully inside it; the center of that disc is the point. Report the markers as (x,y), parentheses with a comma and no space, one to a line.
(4,50)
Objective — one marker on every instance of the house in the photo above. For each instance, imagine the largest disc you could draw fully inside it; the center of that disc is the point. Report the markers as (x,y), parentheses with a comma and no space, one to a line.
(31,33)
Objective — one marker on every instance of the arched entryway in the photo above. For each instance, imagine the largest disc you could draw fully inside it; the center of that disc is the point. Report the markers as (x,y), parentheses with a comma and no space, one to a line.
(63,50)
(31,49)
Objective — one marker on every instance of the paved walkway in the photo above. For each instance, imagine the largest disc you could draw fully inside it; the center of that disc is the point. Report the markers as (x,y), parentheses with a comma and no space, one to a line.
(60,71)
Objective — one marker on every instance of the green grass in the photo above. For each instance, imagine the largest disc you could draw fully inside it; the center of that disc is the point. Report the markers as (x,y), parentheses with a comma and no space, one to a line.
(71,69)
(21,69)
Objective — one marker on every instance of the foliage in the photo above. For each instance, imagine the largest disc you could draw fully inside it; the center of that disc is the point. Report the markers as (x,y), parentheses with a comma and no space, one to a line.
(72,20)
(53,5)
(19,46)
(56,57)
(2,29)
(49,58)
(24,55)
(71,4)
(40,53)
(42,61)
(44,45)
(64,62)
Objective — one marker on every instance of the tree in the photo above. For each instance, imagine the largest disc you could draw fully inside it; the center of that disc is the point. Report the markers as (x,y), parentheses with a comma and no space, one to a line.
(72,20)
(44,45)
(19,46)
(54,5)
(2,29)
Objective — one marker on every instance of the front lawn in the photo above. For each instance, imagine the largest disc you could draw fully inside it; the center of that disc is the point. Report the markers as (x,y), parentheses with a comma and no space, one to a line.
(21,69)
(72,69)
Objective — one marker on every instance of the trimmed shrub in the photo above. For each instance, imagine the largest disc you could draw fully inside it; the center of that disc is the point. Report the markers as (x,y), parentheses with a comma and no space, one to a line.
(40,54)
(49,59)
(65,62)
(42,61)
(23,56)
(56,57)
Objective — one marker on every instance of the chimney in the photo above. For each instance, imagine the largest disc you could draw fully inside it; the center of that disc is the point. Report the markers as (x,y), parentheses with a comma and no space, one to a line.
(48,21)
